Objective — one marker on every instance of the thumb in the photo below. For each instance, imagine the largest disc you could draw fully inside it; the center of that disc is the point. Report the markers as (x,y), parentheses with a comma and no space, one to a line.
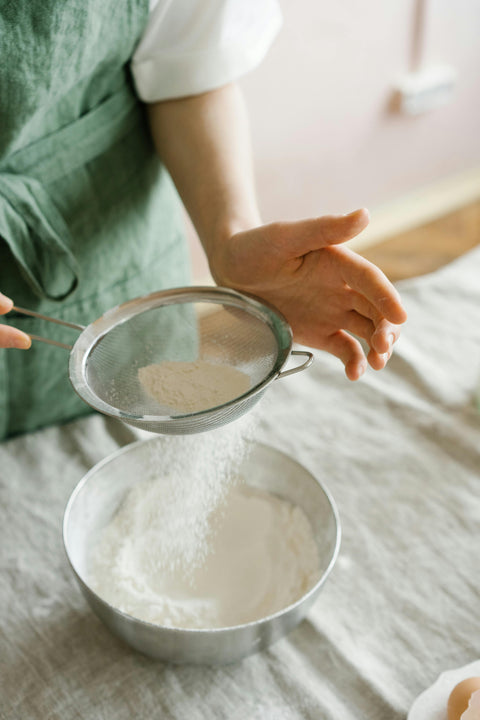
(316,233)
(345,227)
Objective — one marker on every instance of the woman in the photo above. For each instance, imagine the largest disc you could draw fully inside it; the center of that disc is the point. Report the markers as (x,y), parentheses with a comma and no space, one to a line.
(90,217)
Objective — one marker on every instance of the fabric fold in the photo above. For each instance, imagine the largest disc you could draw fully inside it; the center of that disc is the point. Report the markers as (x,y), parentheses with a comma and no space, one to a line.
(37,236)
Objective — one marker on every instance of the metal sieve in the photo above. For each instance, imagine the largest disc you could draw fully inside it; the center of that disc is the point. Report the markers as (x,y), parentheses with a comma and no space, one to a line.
(216,326)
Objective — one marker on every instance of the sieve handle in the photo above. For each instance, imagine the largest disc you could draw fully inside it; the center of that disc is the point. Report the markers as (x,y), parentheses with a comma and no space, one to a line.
(304,366)
(23,311)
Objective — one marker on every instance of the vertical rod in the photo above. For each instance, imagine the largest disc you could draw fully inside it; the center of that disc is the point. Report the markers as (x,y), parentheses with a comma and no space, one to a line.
(418,34)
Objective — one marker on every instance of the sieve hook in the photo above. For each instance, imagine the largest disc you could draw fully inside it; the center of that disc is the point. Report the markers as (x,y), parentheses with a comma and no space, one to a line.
(304,366)
(23,311)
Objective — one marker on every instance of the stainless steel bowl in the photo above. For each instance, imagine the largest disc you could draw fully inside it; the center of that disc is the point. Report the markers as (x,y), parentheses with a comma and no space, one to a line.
(99,494)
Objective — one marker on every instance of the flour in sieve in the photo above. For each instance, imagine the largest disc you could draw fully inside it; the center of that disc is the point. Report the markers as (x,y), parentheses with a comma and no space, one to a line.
(189,387)
(262,558)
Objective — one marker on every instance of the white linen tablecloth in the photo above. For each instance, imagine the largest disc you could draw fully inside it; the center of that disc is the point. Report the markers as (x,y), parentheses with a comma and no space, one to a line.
(400,452)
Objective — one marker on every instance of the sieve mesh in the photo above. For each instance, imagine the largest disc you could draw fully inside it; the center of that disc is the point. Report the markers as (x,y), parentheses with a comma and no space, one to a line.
(214,326)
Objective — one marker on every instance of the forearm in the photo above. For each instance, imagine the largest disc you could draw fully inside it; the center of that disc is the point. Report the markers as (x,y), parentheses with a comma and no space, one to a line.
(328,293)
(204,142)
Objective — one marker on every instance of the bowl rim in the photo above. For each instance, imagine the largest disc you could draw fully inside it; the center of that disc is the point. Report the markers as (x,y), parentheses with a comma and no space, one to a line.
(202,631)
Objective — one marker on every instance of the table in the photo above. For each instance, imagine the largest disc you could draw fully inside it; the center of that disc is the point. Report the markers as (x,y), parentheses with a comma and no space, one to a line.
(400,452)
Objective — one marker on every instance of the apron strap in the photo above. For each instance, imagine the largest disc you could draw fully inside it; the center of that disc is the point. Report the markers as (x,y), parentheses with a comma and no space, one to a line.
(37,236)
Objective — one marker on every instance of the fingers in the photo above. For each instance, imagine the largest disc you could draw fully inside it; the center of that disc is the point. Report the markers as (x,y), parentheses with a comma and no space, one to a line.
(376,360)
(359,325)
(305,236)
(6,304)
(368,280)
(11,337)
(339,229)
(385,335)
(379,332)
(334,229)
(380,338)
(349,351)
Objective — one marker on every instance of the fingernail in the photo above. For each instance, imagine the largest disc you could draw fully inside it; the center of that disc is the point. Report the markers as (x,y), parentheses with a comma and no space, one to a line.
(22,342)
(361,367)
(391,340)
(355,212)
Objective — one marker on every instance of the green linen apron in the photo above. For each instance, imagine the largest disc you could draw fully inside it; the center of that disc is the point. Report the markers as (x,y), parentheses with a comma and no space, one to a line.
(89,217)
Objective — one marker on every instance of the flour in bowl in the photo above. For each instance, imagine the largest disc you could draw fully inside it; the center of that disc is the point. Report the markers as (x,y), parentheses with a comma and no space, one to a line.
(262,558)
(184,480)
(189,387)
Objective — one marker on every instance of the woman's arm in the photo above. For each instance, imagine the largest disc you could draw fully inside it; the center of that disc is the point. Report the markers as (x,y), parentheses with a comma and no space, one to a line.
(328,293)
(205,143)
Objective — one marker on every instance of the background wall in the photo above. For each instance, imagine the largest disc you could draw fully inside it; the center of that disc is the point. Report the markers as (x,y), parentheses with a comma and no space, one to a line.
(326,137)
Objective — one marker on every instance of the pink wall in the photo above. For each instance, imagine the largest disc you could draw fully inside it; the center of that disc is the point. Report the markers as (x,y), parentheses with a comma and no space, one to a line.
(325,137)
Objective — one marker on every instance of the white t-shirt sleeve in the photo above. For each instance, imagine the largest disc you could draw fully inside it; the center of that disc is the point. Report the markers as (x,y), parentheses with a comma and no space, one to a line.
(191,46)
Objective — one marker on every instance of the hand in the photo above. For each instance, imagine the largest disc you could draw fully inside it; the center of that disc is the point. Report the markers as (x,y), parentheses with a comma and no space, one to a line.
(11,337)
(327,292)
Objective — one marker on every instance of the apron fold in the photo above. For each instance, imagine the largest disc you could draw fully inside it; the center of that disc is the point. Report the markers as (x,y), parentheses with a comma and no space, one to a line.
(89,216)
(78,142)
(37,236)
(34,230)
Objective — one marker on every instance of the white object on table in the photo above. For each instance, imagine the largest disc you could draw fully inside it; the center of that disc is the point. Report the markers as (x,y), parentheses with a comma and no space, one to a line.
(432,703)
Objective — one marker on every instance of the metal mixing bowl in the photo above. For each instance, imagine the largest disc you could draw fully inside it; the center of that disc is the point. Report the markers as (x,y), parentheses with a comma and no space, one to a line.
(96,499)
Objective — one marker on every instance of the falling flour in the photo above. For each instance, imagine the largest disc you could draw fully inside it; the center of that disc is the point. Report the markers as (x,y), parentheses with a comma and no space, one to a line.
(184,479)
(192,545)
(189,387)
(262,558)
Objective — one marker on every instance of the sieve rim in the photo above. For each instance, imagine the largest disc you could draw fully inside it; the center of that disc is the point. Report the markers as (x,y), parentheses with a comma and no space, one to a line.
(115,316)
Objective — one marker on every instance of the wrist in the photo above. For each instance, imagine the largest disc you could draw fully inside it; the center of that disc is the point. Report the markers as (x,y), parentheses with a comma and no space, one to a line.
(221,247)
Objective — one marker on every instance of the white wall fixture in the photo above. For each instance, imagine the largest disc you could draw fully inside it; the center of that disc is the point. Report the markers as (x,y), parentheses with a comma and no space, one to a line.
(424,87)
(425,90)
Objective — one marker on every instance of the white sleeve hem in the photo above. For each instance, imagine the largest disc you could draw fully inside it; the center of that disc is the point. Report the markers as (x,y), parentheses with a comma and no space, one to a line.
(164,77)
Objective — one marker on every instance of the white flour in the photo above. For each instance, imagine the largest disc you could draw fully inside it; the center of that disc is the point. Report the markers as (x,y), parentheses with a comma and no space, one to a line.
(262,558)
(185,477)
(193,386)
